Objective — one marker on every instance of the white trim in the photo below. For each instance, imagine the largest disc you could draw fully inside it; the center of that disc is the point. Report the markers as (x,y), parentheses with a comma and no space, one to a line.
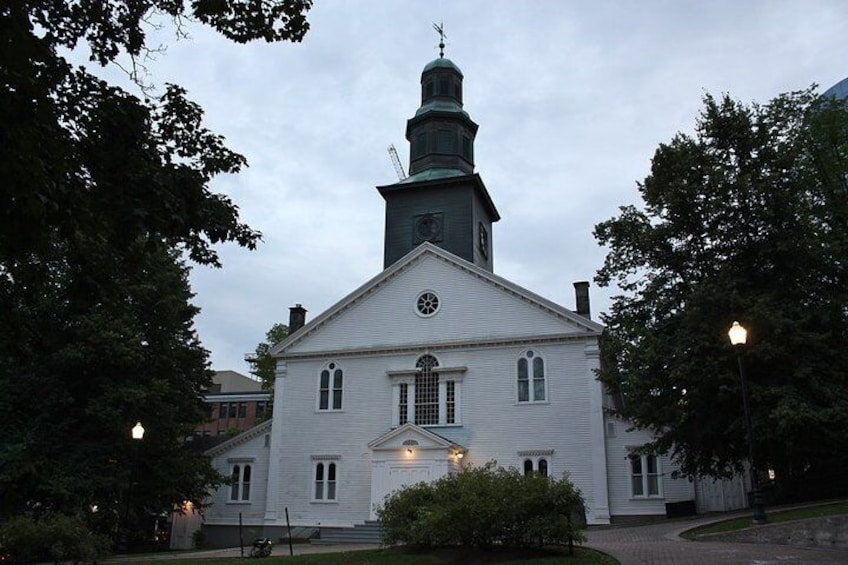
(590,327)
(418,297)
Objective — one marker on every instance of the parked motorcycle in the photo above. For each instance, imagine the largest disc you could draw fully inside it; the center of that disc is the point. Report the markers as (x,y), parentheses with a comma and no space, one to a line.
(261,548)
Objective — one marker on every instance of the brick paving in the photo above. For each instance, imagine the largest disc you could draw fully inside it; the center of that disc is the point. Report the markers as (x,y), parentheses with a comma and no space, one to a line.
(661,544)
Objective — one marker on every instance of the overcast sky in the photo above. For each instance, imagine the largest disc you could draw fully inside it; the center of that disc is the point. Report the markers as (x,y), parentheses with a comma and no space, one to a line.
(572,99)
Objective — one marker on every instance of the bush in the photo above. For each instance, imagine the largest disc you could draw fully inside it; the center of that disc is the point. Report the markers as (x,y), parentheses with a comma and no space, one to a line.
(53,538)
(483,507)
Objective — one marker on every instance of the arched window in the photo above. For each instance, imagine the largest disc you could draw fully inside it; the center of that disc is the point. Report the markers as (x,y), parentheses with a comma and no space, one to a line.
(531,377)
(325,481)
(427,391)
(234,482)
(240,483)
(543,467)
(528,466)
(330,386)
(319,481)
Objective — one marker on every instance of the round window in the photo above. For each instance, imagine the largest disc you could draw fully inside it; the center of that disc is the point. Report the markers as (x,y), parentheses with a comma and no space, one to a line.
(427,303)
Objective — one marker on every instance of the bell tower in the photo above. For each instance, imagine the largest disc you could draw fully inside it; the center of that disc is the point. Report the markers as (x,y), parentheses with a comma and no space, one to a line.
(443,200)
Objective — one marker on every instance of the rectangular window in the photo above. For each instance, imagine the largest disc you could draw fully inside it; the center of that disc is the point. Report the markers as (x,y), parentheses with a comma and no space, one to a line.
(446,142)
(652,476)
(420,148)
(427,399)
(261,406)
(443,87)
(645,475)
(636,476)
(450,402)
(466,147)
(403,403)
(222,411)
(232,411)
(242,409)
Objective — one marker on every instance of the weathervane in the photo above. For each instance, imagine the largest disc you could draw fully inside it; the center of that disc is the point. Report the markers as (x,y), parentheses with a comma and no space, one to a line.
(440,29)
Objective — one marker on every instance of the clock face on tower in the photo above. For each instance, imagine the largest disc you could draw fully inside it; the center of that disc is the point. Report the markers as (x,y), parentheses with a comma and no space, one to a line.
(428,227)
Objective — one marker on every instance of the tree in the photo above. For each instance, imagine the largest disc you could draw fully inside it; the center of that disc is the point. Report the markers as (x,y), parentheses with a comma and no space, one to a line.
(262,364)
(103,197)
(746,220)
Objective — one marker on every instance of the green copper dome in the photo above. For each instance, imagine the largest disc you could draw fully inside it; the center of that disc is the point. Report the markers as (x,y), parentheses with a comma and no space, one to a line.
(441,63)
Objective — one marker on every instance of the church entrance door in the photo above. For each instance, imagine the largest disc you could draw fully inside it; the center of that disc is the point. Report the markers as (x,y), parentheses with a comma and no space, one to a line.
(391,476)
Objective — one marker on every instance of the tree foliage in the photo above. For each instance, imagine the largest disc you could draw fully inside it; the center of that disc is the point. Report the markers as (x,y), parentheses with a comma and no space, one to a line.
(485,506)
(262,364)
(103,195)
(745,220)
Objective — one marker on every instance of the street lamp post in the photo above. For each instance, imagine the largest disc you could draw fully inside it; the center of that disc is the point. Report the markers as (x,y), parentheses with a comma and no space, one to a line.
(738,337)
(137,434)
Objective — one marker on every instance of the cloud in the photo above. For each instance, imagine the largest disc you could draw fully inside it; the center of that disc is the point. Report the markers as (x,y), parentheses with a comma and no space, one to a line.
(572,99)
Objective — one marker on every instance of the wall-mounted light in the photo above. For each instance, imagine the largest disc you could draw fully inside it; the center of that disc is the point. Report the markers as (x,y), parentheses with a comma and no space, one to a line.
(409,450)
(460,454)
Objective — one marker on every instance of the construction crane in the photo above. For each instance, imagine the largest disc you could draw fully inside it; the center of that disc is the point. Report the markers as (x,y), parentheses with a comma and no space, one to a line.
(396,162)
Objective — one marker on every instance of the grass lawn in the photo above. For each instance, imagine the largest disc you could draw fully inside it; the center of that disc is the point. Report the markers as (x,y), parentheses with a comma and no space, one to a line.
(555,556)
(773,518)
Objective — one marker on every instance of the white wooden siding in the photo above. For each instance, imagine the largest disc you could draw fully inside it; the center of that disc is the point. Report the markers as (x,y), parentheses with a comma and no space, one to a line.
(470,308)
(494,425)
(622,503)
(224,511)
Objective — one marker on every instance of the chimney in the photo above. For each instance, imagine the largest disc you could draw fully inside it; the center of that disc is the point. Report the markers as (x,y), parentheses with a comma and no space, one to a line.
(581,293)
(297,318)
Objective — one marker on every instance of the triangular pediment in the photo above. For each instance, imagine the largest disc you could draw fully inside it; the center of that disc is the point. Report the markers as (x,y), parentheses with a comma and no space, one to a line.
(410,436)
(478,308)
(244,437)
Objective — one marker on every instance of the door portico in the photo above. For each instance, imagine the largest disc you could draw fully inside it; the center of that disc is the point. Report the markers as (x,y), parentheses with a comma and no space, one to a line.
(406,456)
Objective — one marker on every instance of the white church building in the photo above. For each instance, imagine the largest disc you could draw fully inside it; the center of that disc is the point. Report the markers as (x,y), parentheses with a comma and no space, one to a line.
(434,365)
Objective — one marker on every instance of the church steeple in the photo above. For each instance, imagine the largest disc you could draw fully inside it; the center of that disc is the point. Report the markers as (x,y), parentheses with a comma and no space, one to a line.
(442,201)
(441,134)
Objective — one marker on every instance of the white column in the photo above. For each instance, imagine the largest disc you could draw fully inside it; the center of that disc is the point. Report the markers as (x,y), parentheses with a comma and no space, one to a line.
(600,497)
(273,512)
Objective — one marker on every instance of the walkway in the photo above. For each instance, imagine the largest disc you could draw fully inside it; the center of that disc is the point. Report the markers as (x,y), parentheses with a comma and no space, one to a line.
(653,544)
(661,544)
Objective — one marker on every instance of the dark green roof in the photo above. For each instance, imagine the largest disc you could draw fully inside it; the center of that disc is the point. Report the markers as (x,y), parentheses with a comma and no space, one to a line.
(441,105)
(433,174)
(441,63)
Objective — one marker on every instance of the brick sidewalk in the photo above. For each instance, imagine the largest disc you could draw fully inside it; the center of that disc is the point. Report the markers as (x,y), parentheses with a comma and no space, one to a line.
(661,544)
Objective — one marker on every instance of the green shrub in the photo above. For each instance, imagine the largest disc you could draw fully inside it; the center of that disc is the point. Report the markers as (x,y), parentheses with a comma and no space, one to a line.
(55,538)
(483,507)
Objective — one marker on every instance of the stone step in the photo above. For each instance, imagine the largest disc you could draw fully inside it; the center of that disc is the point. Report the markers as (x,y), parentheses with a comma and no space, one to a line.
(369,532)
